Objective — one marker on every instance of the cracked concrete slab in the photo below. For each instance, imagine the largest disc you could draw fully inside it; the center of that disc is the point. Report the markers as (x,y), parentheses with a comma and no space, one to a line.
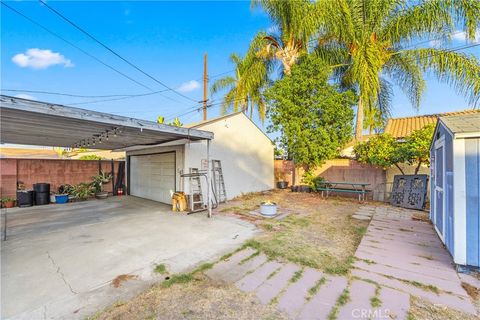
(59,260)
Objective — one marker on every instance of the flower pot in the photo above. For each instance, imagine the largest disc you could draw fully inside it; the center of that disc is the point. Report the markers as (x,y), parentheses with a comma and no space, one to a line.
(268,209)
(101,195)
(282,184)
(9,204)
(304,188)
(294,188)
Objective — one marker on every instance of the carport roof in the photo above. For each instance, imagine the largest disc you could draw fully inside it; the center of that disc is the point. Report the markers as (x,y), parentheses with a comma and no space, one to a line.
(41,123)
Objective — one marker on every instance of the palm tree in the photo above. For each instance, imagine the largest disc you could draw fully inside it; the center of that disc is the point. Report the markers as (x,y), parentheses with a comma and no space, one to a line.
(369,42)
(244,88)
(295,22)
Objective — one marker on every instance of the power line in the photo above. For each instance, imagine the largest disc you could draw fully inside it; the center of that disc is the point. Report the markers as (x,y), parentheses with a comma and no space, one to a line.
(75,46)
(83,96)
(113,52)
(116,99)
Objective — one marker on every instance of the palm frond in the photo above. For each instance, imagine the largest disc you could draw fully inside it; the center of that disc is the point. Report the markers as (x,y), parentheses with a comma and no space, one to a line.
(408,76)
(459,70)
(221,84)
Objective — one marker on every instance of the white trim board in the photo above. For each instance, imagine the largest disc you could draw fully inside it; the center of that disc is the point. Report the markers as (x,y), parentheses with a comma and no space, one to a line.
(459,203)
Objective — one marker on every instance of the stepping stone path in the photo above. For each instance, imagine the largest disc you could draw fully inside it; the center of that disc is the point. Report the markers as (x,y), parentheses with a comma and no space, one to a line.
(398,257)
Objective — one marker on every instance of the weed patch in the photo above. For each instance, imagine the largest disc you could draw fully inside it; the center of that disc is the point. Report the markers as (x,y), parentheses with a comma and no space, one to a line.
(313,290)
(160,268)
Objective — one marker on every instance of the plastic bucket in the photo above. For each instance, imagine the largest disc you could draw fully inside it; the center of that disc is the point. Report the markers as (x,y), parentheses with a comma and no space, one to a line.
(61,198)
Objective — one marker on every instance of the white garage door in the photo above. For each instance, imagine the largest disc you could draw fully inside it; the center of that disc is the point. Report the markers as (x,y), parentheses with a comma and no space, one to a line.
(153,176)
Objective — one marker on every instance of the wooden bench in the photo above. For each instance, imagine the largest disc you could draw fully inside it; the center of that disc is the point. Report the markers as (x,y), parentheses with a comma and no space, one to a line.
(357,188)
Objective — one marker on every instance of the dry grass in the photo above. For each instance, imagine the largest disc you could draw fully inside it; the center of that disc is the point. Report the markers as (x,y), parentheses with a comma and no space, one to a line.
(423,310)
(318,233)
(199,298)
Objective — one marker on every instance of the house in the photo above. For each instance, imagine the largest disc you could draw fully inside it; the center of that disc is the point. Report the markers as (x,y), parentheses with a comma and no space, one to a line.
(402,127)
(245,152)
(455,186)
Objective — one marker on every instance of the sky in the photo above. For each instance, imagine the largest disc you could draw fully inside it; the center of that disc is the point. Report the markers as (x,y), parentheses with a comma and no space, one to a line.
(166,39)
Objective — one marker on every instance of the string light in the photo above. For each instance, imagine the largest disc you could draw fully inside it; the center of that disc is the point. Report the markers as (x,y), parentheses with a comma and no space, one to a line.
(97,138)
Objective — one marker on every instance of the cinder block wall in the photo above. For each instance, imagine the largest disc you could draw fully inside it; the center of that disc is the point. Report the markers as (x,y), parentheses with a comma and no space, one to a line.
(53,171)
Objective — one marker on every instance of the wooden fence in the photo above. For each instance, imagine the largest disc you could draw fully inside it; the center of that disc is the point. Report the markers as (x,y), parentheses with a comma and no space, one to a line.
(339,170)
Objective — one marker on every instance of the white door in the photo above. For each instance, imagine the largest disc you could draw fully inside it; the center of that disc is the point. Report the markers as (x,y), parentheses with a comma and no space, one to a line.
(153,176)
(439,188)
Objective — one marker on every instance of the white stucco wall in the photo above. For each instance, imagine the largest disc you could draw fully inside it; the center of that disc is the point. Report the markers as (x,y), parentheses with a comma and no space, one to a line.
(245,152)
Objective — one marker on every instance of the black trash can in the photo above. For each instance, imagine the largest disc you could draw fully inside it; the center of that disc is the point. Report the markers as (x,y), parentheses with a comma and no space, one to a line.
(42,198)
(41,187)
(42,193)
(25,198)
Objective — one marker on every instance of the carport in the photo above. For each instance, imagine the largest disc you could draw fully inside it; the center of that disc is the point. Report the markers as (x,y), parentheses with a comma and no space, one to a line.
(47,124)
(62,261)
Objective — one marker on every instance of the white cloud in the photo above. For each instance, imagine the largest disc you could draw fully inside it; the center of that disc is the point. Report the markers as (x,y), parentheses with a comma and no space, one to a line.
(462,36)
(40,59)
(25,96)
(189,86)
(436,43)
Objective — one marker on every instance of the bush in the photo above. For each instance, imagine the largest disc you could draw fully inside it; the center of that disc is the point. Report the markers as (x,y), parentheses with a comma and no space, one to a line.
(90,157)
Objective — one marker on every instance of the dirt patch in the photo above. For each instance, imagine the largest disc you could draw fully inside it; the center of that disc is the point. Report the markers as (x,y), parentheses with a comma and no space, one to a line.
(318,233)
(423,310)
(197,299)
(117,282)
(471,290)
(421,216)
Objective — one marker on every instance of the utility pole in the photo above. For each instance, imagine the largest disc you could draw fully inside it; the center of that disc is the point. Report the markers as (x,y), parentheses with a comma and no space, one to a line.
(205,81)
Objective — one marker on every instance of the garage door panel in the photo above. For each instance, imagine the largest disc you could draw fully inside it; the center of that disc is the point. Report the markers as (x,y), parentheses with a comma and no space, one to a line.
(153,176)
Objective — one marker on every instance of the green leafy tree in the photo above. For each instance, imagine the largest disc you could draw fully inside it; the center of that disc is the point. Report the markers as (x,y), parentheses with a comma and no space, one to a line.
(370,44)
(385,151)
(417,146)
(176,122)
(245,87)
(382,150)
(313,117)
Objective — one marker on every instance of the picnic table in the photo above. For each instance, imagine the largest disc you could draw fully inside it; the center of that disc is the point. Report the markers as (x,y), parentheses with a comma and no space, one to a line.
(356,187)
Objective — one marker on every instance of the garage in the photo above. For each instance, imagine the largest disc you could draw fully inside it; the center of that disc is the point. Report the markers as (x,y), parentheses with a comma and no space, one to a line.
(152,176)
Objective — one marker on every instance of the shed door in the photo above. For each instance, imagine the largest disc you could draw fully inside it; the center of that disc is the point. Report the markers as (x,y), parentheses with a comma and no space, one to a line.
(153,176)
(439,188)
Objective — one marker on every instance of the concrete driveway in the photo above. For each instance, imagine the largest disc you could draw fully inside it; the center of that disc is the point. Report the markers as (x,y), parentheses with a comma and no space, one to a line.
(59,260)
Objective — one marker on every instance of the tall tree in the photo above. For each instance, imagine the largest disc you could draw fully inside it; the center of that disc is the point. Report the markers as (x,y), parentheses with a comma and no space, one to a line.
(294,24)
(244,88)
(314,118)
(370,41)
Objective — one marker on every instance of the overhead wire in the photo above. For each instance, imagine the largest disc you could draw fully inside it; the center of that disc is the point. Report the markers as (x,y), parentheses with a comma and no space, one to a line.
(113,51)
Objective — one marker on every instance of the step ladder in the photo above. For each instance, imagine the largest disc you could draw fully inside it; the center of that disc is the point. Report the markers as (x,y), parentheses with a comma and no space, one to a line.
(195,184)
(218,182)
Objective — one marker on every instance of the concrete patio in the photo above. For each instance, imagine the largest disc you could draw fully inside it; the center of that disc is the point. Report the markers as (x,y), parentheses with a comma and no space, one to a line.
(59,260)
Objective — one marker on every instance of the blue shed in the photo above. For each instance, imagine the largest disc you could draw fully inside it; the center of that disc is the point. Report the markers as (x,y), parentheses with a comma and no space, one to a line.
(455,186)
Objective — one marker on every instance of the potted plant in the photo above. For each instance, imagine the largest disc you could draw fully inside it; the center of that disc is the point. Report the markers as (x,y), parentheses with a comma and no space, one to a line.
(65,193)
(281,182)
(98,181)
(82,191)
(8,202)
